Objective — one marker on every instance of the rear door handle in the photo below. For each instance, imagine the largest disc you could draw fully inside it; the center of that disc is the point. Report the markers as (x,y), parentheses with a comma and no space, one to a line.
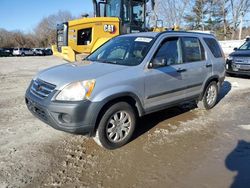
(181,70)
(208,65)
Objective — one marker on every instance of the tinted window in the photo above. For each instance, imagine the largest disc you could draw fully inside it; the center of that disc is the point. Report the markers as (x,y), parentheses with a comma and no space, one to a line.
(213,46)
(192,49)
(168,53)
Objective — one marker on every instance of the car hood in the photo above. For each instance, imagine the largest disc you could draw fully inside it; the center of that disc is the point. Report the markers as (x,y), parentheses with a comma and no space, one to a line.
(72,72)
(241,53)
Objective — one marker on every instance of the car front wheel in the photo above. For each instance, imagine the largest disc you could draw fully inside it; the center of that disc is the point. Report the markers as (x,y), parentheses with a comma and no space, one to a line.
(116,126)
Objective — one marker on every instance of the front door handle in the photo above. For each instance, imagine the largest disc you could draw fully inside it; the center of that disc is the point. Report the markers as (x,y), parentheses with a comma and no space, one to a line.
(208,65)
(181,70)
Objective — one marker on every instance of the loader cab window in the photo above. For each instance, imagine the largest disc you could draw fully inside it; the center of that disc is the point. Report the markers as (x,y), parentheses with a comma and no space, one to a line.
(137,12)
(113,8)
(126,11)
(84,36)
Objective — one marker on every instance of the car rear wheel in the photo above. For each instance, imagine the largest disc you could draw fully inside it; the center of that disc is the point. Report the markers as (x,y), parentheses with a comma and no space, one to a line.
(116,126)
(23,54)
(210,96)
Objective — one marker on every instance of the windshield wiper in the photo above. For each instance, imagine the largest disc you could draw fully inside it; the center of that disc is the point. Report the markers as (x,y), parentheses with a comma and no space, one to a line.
(110,62)
(101,61)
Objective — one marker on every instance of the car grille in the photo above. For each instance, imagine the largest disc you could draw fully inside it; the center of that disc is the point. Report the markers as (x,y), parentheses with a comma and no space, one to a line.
(41,89)
(245,60)
(244,67)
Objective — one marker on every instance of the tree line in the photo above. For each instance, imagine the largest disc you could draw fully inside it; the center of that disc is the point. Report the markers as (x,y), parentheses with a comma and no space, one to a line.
(221,16)
(43,35)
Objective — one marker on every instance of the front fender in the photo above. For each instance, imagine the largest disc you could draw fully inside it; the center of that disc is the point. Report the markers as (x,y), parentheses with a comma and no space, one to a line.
(112,93)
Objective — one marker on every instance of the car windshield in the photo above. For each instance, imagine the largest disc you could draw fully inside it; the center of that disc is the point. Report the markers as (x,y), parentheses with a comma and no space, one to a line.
(245,46)
(129,51)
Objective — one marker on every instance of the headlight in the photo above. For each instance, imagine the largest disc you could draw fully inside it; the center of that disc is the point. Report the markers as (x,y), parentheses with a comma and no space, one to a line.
(230,58)
(76,91)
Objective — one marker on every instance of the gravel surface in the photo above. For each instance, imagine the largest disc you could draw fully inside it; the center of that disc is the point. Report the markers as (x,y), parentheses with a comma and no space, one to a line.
(178,147)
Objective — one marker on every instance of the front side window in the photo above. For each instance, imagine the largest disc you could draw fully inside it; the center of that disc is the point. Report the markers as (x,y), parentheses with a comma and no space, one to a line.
(169,53)
(129,51)
(192,49)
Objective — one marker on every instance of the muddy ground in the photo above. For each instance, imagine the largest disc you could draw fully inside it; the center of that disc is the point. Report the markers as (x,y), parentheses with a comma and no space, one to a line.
(182,147)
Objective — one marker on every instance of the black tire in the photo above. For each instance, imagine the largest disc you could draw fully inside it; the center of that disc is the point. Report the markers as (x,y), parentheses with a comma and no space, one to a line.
(23,54)
(103,136)
(205,103)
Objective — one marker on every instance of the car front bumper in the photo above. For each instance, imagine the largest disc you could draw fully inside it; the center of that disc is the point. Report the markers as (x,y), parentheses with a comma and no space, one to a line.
(238,69)
(73,117)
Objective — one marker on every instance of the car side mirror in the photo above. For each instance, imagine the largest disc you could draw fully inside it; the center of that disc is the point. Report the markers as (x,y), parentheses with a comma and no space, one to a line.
(235,49)
(155,63)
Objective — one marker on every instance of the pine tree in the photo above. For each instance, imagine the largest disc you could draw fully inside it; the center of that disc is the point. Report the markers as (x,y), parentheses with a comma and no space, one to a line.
(196,18)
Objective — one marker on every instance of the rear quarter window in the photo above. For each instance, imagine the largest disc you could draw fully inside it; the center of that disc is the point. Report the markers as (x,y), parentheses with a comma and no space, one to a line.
(213,46)
(192,49)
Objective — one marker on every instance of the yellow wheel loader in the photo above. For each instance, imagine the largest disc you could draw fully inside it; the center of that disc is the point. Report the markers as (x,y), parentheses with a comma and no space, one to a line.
(111,18)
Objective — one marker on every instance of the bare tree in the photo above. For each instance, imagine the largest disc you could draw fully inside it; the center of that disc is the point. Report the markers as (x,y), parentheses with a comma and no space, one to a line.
(172,11)
(238,8)
(46,29)
(19,38)
(224,7)
(43,36)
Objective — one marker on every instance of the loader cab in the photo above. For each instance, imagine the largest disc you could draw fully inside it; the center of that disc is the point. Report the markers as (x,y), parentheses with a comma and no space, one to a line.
(130,12)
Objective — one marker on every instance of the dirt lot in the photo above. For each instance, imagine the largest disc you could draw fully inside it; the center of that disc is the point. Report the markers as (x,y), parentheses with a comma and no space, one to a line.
(179,147)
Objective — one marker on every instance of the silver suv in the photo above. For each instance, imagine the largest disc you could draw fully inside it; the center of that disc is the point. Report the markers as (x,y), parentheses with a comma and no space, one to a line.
(22,51)
(128,77)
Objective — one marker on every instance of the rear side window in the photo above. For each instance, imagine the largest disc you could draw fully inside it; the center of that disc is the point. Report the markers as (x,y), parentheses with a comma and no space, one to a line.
(192,50)
(213,46)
